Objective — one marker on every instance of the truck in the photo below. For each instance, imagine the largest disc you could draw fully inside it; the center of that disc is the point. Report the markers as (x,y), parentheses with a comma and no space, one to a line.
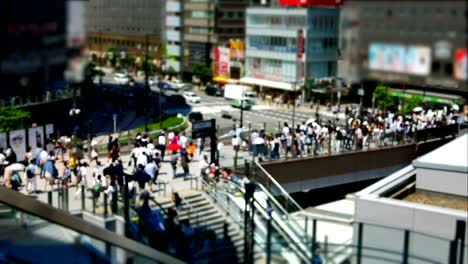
(240,95)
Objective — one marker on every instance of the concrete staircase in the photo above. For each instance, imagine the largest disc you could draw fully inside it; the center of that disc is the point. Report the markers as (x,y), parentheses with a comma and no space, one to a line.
(200,209)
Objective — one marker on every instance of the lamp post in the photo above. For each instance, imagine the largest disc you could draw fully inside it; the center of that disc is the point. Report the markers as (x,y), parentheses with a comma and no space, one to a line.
(146,83)
(74,112)
(294,105)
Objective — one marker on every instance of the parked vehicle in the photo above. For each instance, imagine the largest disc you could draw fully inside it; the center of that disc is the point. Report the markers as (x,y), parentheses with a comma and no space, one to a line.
(213,90)
(195,116)
(180,85)
(240,95)
(191,97)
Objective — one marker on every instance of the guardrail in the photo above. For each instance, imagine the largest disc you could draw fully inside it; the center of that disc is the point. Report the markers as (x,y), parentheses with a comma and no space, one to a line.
(46,212)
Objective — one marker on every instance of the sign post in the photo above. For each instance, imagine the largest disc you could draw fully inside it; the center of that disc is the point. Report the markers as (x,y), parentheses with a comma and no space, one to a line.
(114,117)
(203,129)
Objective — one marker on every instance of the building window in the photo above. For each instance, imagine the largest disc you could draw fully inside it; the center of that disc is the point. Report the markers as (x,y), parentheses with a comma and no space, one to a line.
(435,66)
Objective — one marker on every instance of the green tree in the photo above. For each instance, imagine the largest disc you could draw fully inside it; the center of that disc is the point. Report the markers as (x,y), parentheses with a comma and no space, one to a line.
(202,71)
(12,118)
(383,98)
(151,66)
(412,102)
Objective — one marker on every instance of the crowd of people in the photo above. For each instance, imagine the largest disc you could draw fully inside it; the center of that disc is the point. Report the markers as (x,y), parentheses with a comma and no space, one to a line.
(356,132)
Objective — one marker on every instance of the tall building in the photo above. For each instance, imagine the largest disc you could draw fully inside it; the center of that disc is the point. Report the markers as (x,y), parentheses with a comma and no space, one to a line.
(230,20)
(125,25)
(412,47)
(37,38)
(173,35)
(273,61)
(199,34)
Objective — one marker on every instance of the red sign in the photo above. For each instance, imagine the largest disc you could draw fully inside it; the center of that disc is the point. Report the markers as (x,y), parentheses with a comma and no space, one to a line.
(311,2)
(300,43)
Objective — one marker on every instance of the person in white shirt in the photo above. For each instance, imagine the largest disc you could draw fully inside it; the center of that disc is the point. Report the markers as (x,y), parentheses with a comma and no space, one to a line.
(162,144)
(43,158)
(151,169)
(236,141)
(286,129)
(183,140)
(203,165)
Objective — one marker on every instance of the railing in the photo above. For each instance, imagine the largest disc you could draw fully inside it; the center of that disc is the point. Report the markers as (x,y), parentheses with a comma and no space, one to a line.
(116,247)
(47,97)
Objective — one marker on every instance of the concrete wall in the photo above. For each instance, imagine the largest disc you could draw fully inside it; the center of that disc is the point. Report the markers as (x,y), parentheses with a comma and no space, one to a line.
(442,181)
(384,220)
(323,171)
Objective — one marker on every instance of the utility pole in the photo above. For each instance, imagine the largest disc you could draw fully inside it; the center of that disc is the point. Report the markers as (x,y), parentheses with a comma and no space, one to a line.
(294,106)
(242,110)
(146,83)
(100,58)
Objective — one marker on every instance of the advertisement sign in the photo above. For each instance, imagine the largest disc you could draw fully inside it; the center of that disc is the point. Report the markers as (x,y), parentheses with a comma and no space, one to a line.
(397,58)
(311,2)
(222,61)
(3,140)
(301,55)
(18,142)
(460,69)
(387,57)
(236,50)
(49,128)
(36,137)
(418,60)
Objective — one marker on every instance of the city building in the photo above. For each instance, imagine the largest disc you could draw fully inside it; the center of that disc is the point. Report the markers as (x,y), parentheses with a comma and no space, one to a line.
(199,34)
(413,48)
(273,62)
(230,20)
(173,36)
(127,26)
(421,209)
(38,43)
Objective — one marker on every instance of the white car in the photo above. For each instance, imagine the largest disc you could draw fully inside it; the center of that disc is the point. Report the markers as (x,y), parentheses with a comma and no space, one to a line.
(192,97)
(121,78)
(180,85)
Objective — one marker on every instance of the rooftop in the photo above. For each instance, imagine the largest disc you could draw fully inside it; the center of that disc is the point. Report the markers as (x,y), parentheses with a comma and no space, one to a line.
(452,156)
(438,199)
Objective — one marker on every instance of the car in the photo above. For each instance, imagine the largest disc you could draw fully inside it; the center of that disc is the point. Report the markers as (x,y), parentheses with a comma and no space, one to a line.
(176,99)
(211,90)
(191,97)
(195,116)
(180,85)
(121,78)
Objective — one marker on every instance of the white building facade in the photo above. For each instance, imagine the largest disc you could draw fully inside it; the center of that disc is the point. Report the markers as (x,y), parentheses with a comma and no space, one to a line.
(173,35)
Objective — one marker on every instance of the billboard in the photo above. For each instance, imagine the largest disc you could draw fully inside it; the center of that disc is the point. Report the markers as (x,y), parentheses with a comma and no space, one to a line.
(387,57)
(418,60)
(222,61)
(49,131)
(18,142)
(236,50)
(36,137)
(415,60)
(311,2)
(460,69)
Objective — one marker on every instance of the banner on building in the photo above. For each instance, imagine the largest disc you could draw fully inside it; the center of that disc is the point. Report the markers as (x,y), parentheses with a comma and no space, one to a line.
(236,50)
(3,140)
(301,56)
(49,131)
(222,61)
(36,137)
(460,65)
(18,142)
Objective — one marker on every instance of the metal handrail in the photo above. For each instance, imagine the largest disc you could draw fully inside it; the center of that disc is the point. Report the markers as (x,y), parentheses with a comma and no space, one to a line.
(33,207)
(276,184)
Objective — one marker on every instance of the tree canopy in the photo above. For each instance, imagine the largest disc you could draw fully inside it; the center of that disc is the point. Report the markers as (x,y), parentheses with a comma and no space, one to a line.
(12,118)
(202,71)
(383,98)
